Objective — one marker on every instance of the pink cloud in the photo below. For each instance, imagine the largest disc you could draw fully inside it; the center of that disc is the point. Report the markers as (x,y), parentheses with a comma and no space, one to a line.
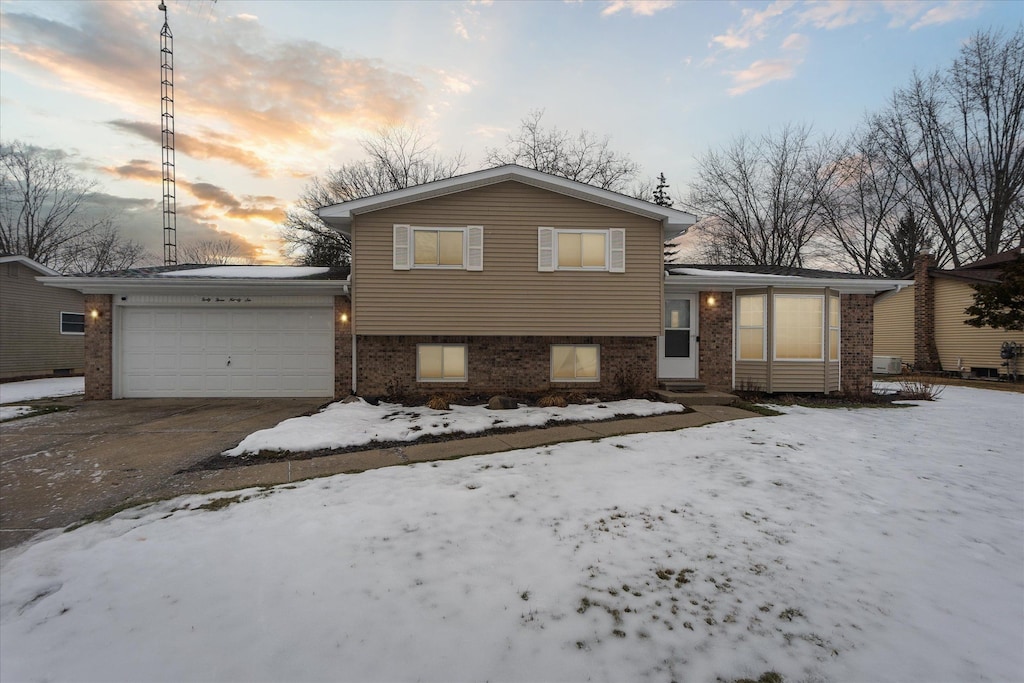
(761,73)
(644,8)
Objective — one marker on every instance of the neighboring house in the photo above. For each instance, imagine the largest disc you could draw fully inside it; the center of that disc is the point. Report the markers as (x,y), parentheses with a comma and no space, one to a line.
(41,328)
(924,326)
(506,280)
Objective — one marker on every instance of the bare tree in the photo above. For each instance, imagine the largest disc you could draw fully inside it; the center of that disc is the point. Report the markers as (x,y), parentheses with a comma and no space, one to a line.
(582,156)
(761,199)
(958,139)
(861,211)
(222,252)
(397,157)
(43,215)
(99,250)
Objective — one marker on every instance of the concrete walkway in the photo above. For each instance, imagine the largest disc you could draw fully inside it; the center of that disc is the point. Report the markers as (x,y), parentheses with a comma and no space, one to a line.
(62,468)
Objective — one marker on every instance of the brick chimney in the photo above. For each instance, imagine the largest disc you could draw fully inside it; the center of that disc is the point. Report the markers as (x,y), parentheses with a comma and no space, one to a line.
(926,354)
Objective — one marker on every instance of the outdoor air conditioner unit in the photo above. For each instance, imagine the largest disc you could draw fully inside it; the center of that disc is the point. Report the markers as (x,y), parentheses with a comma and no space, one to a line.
(887,365)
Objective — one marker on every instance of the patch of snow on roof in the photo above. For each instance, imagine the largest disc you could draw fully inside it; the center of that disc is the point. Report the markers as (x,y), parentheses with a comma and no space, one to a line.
(249,272)
(730,273)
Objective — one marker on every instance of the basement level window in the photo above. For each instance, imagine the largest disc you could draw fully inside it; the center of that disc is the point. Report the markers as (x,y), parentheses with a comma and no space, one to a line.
(441,363)
(72,323)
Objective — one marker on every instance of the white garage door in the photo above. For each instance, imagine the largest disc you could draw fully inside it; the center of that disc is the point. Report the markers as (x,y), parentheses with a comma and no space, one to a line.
(168,352)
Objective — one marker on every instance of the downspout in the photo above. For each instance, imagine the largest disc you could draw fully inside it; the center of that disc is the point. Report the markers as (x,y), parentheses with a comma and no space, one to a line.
(352,322)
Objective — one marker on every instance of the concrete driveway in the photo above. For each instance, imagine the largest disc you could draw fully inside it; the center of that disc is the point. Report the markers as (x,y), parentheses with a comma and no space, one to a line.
(59,468)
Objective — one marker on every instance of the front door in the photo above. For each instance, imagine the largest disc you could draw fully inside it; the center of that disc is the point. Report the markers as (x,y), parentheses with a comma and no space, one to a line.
(677,347)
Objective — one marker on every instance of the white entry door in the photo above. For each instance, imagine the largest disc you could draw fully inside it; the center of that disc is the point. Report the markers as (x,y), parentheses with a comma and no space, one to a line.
(677,347)
(251,352)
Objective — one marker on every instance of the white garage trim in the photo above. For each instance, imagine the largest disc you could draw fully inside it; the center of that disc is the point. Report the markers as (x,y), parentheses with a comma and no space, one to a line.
(225,347)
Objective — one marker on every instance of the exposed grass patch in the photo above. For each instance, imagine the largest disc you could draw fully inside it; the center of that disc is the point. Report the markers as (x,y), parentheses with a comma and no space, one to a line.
(755,408)
(220,503)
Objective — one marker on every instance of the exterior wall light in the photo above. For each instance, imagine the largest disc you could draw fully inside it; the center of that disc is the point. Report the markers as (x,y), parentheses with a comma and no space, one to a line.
(344,317)
(94,314)
(711,300)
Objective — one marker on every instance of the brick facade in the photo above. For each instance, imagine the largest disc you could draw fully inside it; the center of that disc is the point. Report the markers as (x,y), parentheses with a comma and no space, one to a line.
(518,366)
(857,327)
(926,353)
(342,347)
(715,347)
(99,368)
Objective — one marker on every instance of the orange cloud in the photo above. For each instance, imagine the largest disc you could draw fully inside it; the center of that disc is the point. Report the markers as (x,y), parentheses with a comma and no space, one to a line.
(248,86)
(136,169)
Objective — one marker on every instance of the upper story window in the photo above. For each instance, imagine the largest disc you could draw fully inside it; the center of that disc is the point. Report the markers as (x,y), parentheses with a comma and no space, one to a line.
(72,323)
(459,248)
(563,249)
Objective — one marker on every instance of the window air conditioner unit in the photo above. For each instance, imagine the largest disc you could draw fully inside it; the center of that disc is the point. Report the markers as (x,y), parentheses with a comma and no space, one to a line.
(887,365)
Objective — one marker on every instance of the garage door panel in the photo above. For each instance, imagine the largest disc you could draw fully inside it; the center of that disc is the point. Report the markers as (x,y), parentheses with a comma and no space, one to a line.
(165,320)
(190,340)
(185,352)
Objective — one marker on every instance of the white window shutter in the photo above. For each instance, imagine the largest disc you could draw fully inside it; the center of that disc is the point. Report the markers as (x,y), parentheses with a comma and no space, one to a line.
(403,236)
(617,250)
(545,249)
(474,247)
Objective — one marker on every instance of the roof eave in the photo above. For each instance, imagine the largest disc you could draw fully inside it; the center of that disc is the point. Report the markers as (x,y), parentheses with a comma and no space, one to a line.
(178,285)
(731,284)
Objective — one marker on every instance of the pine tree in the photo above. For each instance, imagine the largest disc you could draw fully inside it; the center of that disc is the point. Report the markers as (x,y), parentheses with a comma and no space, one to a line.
(661,197)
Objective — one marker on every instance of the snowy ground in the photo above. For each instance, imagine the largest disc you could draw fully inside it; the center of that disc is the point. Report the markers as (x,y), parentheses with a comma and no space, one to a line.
(826,545)
(31,390)
(13,392)
(341,425)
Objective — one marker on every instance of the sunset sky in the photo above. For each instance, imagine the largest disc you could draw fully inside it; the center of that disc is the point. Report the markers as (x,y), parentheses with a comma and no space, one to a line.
(268,93)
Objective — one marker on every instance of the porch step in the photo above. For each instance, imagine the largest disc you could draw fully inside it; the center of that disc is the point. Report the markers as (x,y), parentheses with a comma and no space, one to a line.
(682,385)
(695,398)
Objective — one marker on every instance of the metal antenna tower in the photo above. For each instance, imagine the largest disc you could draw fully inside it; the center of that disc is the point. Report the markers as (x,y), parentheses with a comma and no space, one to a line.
(167,141)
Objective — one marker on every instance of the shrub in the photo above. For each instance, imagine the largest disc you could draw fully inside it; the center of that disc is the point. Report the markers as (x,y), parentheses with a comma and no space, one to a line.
(441,401)
(918,388)
(552,401)
(576,397)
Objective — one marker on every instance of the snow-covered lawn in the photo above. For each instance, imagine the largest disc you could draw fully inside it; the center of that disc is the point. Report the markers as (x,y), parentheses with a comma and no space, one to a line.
(34,389)
(31,390)
(341,425)
(826,545)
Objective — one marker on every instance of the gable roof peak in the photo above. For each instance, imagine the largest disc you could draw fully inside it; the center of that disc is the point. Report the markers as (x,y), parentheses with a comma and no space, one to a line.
(339,216)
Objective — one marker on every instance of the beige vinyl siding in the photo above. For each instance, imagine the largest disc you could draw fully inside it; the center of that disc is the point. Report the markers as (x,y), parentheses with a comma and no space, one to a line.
(509,297)
(974,347)
(894,325)
(833,369)
(30,338)
(752,375)
(798,376)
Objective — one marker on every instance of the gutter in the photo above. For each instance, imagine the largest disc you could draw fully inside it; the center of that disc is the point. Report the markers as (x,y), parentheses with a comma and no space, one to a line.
(731,284)
(108,285)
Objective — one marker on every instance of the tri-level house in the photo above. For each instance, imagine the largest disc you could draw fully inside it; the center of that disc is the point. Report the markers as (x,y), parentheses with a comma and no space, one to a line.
(506,280)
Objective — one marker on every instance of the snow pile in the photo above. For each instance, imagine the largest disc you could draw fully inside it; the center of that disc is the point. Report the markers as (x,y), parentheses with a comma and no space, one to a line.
(826,545)
(341,425)
(13,392)
(248,272)
(11,412)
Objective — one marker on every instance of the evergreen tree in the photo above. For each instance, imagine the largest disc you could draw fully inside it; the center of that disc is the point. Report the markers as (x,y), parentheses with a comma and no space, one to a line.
(1000,305)
(905,243)
(661,196)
